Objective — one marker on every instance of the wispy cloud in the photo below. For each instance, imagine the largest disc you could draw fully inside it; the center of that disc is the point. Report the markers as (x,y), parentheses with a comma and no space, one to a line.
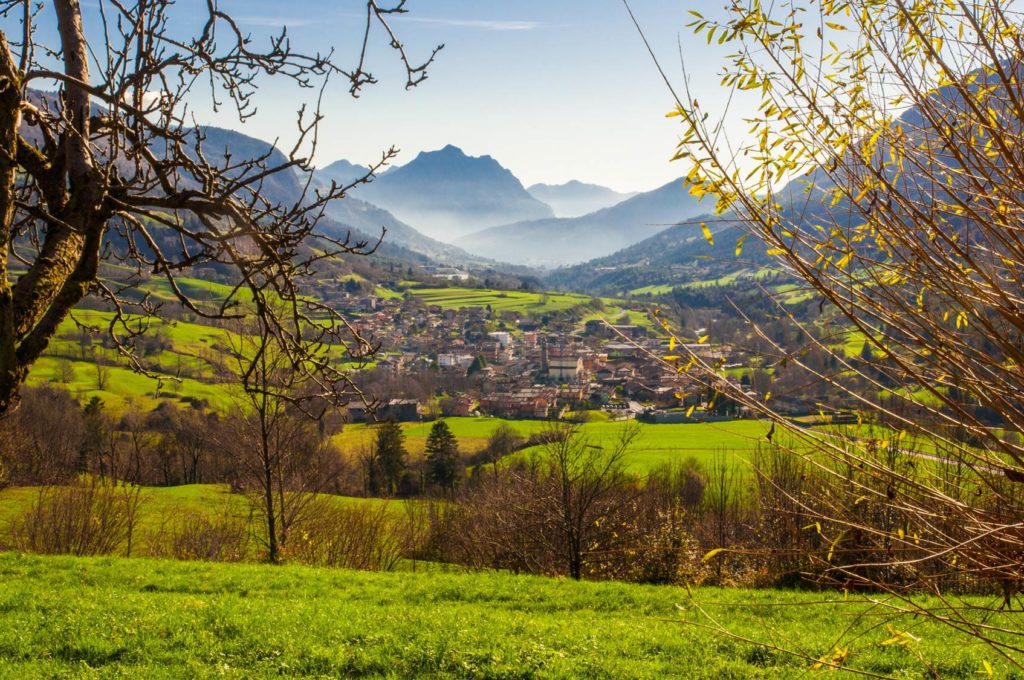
(483,24)
(275,22)
(480,24)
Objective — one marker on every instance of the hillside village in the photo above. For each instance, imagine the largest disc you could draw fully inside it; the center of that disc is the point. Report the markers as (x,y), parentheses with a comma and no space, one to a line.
(531,366)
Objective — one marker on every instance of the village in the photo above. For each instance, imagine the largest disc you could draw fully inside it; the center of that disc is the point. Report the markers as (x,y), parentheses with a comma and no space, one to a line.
(546,365)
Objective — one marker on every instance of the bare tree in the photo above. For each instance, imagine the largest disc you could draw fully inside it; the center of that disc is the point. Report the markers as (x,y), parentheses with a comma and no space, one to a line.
(273,437)
(111,168)
(582,484)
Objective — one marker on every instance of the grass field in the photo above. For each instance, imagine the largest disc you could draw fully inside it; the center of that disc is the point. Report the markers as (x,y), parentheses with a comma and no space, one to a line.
(499,300)
(656,445)
(107,617)
(188,349)
(525,303)
(189,361)
(160,504)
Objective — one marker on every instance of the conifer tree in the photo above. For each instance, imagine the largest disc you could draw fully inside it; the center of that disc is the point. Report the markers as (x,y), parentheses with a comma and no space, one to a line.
(444,467)
(389,459)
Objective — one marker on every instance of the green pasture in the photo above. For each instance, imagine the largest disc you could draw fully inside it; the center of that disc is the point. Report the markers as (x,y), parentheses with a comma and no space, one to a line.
(732,442)
(114,617)
(159,505)
(652,290)
(499,300)
(125,387)
(743,274)
(613,314)
(656,445)
(187,361)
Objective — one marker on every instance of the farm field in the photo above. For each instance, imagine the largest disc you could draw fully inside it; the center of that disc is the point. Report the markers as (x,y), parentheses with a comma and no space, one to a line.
(525,303)
(656,444)
(115,617)
(499,300)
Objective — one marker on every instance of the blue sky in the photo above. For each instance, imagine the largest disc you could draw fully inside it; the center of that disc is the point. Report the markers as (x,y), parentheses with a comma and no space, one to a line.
(554,89)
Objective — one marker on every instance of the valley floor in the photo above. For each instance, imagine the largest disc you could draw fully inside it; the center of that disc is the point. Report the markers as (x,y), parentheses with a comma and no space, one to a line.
(109,617)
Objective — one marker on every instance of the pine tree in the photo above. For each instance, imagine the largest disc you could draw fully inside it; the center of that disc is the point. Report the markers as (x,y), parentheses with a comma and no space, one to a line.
(444,466)
(389,458)
(866,352)
(479,364)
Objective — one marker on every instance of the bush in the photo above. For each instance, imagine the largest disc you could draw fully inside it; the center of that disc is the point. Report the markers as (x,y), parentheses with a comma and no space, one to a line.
(84,518)
(219,537)
(357,536)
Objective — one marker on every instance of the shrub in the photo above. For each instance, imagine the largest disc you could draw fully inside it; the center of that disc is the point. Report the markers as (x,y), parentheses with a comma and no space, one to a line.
(357,536)
(219,537)
(84,518)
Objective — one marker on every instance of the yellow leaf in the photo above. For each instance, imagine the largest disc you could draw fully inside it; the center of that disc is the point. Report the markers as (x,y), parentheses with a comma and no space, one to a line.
(707,233)
(711,553)
(739,244)
(671,343)
(689,411)
(702,339)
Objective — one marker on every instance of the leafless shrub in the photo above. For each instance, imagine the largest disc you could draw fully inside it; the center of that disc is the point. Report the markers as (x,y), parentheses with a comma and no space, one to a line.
(84,518)
(43,438)
(223,536)
(360,535)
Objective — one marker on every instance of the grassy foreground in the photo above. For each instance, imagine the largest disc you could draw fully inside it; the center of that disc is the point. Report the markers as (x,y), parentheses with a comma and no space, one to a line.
(106,617)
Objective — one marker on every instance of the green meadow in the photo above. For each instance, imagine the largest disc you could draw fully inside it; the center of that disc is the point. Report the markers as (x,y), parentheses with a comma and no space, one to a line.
(119,618)
(655,445)
(186,361)
(524,302)
(160,504)
(498,300)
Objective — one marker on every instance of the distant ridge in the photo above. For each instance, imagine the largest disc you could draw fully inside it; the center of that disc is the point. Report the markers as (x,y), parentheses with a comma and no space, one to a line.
(575,198)
(447,194)
(572,240)
(341,172)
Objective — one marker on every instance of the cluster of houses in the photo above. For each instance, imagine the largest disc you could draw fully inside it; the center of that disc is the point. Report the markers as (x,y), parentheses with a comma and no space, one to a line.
(520,368)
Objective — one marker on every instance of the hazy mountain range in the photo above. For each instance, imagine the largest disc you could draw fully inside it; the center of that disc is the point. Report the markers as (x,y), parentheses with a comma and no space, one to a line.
(350,215)
(577,239)
(458,209)
(447,194)
(575,198)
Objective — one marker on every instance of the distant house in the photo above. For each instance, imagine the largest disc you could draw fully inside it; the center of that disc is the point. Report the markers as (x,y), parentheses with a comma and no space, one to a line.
(602,329)
(564,365)
(460,405)
(357,412)
(400,410)
(451,274)
(451,360)
(504,338)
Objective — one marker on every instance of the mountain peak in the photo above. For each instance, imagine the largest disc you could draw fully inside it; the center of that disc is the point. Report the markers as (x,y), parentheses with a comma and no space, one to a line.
(448,193)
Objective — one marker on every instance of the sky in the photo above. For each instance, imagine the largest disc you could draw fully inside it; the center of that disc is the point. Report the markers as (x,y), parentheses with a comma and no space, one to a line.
(553,89)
